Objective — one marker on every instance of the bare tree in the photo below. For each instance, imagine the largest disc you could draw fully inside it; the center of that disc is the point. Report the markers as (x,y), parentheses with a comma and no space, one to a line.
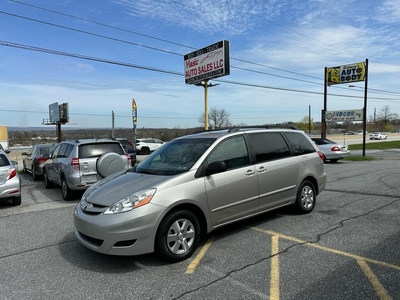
(217,118)
(385,116)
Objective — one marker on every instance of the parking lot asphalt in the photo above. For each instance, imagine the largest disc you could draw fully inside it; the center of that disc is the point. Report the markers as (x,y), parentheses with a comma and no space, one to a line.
(347,248)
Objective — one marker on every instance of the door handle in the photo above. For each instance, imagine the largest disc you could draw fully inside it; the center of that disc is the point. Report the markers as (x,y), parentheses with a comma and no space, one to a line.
(262,169)
(250,172)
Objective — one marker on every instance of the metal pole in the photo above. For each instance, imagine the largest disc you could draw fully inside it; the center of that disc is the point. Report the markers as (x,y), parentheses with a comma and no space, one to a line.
(323,123)
(112,124)
(309,120)
(206,104)
(365,107)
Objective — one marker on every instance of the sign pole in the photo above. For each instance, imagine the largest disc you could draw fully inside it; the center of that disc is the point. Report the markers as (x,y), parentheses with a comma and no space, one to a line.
(365,107)
(206,104)
(323,123)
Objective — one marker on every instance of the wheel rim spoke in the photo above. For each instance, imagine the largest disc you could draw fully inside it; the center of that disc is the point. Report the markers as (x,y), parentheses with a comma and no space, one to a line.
(180,237)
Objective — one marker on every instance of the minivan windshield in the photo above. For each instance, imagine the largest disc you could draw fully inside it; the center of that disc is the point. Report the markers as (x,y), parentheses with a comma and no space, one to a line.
(175,157)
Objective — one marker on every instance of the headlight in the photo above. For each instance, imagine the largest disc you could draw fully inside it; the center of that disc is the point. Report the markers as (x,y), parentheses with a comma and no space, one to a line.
(130,202)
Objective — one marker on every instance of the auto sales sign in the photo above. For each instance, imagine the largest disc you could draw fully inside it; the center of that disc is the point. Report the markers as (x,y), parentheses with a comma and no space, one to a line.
(207,63)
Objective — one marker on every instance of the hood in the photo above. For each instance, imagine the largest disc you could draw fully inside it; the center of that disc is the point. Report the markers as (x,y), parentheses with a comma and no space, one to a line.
(115,187)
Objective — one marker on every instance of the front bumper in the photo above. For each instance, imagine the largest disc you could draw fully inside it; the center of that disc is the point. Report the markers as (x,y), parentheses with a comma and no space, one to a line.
(129,233)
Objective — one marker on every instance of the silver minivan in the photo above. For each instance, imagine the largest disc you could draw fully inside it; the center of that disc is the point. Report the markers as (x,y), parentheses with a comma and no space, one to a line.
(195,184)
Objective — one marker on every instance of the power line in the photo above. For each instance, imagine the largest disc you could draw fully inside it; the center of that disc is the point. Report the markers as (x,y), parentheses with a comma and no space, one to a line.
(155,38)
(166,41)
(56,52)
(174,43)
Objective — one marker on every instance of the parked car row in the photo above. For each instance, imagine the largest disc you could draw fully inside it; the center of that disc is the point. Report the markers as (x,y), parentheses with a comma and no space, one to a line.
(76,164)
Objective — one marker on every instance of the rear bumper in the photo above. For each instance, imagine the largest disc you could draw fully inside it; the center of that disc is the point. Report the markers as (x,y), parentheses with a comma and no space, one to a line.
(11,188)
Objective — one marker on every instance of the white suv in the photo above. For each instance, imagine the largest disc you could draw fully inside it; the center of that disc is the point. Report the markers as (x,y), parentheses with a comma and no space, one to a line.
(147,145)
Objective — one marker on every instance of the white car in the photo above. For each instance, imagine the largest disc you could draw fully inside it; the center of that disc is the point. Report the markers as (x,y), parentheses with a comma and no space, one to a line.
(147,145)
(377,136)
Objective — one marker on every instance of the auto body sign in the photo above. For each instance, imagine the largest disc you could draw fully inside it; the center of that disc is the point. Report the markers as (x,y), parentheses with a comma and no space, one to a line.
(346,74)
(206,63)
(344,115)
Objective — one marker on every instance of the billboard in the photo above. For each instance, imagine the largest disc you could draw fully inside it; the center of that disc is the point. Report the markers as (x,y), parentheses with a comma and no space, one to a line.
(346,73)
(344,115)
(54,113)
(64,113)
(207,63)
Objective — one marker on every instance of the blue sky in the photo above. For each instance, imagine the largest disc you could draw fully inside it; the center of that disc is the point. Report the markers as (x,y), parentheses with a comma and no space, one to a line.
(278,52)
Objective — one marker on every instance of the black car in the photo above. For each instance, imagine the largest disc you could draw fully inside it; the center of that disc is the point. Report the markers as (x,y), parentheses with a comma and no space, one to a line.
(129,148)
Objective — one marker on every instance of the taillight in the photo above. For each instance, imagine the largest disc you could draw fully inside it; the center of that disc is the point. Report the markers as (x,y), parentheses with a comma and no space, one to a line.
(129,158)
(75,163)
(11,173)
(42,159)
(335,148)
(321,155)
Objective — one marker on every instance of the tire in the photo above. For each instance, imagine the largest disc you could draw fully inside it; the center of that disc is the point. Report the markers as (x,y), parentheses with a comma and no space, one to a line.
(16,201)
(145,150)
(66,192)
(110,163)
(175,246)
(306,197)
(34,177)
(25,170)
(47,183)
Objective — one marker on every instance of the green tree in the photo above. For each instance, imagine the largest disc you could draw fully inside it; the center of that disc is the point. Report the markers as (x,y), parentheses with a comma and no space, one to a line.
(306,124)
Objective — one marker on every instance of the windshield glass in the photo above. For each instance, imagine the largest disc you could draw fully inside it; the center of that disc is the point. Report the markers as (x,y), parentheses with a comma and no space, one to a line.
(175,157)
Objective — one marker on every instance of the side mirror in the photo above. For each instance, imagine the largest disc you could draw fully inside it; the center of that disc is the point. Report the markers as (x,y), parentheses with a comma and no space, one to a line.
(216,167)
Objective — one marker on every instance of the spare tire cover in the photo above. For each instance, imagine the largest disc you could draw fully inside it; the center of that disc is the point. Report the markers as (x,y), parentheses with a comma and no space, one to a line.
(110,163)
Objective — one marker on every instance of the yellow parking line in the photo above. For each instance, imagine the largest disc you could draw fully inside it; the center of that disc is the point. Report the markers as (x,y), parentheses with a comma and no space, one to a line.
(274,279)
(197,259)
(380,290)
(339,252)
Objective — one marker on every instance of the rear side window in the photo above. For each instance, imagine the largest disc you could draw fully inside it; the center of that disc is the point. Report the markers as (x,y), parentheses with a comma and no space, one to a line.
(269,146)
(300,144)
(4,161)
(98,149)
(46,150)
(126,144)
(63,150)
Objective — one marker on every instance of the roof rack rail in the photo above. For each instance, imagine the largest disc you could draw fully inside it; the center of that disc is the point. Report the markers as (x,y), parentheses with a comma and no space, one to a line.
(233,129)
(237,128)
